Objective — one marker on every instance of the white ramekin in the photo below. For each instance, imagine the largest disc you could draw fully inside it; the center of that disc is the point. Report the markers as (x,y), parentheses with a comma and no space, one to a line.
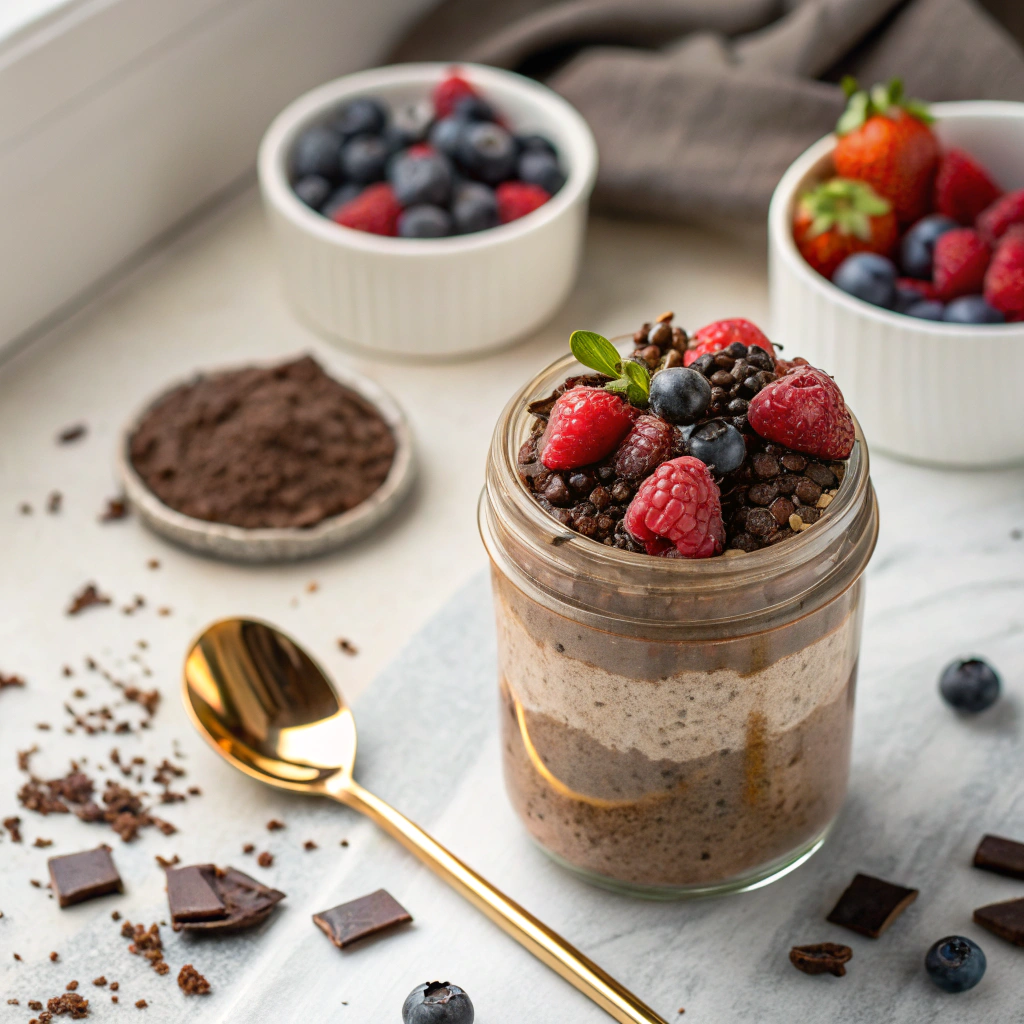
(431,297)
(922,390)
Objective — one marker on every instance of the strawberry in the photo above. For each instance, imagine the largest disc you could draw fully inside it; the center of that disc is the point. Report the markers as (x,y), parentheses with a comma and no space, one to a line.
(841,217)
(1003,213)
(375,209)
(722,333)
(963,188)
(585,425)
(518,198)
(805,411)
(449,91)
(679,502)
(1004,280)
(647,445)
(884,139)
(961,258)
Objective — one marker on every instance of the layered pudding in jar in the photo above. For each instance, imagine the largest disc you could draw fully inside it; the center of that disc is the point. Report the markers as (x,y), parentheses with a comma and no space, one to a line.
(677,533)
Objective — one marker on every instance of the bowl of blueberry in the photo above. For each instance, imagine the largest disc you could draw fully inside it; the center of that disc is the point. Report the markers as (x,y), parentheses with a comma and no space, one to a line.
(428,209)
(897,263)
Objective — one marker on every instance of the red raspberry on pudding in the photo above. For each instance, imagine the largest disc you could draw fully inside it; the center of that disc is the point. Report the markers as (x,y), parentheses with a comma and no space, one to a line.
(585,425)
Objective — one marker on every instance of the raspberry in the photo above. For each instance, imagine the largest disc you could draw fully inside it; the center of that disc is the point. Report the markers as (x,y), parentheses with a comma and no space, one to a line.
(584,426)
(646,445)
(995,219)
(961,257)
(517,198)
(678,502)
(448,92)
(963,187)
(723,333)
(420,149)
(912,284)
(1004,280)
(805,411)
(375,209)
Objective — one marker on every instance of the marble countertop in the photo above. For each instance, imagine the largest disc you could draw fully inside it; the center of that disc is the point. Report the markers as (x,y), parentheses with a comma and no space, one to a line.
(947,579)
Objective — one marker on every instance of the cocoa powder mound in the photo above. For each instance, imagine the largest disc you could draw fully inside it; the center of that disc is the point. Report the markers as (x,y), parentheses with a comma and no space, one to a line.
(281,446)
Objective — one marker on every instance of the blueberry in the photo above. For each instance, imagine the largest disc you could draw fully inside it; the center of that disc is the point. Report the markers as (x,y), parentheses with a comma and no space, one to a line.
(362,116)
(409,124)
(536,144)
(421,179)
(474,208)
(680,394)
(926,309)
(446,135)
(906,297)
(719,445)
(339,197)
(971,685)
(316,152)
(868,276)
(313,190)
(487,152)
(972,309)
(541,168)
(364,158)
(917,250)
(424,221)
(438,1002)
(473,108)
(955,964)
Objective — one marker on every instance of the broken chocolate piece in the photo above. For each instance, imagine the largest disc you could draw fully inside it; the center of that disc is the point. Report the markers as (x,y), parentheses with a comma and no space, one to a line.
(870,905)
(360,918)
(191,897)
(1003,856)
(81,876)
(245,901)
(824,958)
(1003,919)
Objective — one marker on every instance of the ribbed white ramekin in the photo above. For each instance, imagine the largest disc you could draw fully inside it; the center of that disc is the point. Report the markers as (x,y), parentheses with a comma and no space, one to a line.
(431,297)
(922,390)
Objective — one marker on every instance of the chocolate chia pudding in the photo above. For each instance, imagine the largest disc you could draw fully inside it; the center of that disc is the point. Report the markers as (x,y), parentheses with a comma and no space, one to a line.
(674,725)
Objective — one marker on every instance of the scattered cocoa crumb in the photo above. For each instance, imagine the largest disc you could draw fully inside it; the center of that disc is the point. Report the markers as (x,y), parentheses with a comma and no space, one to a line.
(17,956)
(72,433)
(115,915)
(72,986)
(191,982)
(117,508)
(312,587)
(274,825)
(13,1002)
(67,671)
(12,825)
(141,1004)
(113,999)
(153,563)
(71,1004)
(347,646)
(54,957)
(165,863)
(344,842)
(87,598)
(35,883)
(309,845)
(248,848)
(10,681)
(34,1004)
(42,843)
(194,791)
(54,502)
(115,985)
(43,726)
(138,602)
(163,611)
(146,942)
(100,981)
(148,699)
(265,859)
(25,508)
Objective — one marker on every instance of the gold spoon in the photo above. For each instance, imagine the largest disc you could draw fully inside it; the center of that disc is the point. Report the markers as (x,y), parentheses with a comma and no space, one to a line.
(269,709)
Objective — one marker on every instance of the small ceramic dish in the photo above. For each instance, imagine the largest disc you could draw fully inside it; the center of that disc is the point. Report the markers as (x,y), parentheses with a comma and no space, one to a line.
(430,296)
(922,389)
(239,544)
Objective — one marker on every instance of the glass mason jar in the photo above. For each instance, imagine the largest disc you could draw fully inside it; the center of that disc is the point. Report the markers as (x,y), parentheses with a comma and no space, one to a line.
(673,727)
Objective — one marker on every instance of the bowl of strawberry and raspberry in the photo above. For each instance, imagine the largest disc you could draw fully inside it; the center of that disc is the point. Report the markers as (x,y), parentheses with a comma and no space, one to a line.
(897,248)
(428,209)
(688,446)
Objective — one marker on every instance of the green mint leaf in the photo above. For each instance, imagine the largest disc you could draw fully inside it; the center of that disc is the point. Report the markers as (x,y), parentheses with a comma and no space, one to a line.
(631,392)
(639,376)
(596,352)
(855,115)
(848,85)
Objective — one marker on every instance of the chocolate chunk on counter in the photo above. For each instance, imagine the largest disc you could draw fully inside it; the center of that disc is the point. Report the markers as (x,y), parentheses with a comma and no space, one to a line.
(870,905)
(823,958)
(361,918)
(1003,856)
(245,901)
(191,897)
(1003,919)
(81,876)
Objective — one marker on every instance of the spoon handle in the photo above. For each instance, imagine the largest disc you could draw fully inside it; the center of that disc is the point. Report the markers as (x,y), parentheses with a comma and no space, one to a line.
(530,933)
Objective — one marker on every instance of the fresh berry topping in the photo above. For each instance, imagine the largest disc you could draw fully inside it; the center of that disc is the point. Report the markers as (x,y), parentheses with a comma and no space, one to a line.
(474,108)
(419,177)
(375,209)
(317,151)
(719,445)
(539,167)
(446,135)
(805,411)
(448,92)
(972,309)
(409,125)
(487,152)
(517,198)
(364,158)
(679,502)
(362,116)
(424,221)
(680,394)
(585,425)
(646,446)
(955,964)
(313,190)
(910,290)
(722,333)
(868,276)
(1004,279)
(339,197)
(961,258)
(884,139)
(963,188)
(841,217)
(474,207)
(994,221)
(917,250)
(971,685)
(420,149)
(536,143)
(437,1002)
(926,309)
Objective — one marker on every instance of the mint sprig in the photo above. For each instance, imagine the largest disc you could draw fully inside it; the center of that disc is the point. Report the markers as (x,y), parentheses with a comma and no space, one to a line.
(631,379)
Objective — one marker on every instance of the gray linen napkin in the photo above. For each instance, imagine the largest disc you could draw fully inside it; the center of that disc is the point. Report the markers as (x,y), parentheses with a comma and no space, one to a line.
(698,106)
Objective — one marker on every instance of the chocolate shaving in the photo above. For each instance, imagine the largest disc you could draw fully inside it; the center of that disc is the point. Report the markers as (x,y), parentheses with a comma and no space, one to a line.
(870,905)
(10,681)
(358,919)
(1003,856)
(824,958)
(88,597)
(1004,919)
(73,433)
(244,901)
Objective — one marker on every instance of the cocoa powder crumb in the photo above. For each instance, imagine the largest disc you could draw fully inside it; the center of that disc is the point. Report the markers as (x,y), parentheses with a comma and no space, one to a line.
(191,982)
(71,1004)
(117,508)
(72,433)
(54,957)
(71,985)
(274,825)
(87,597)
(100,981)
(248,848)
(265,859)
(309,845)
(13,827)
(10,681)
(347,646)
(114,986)
(54,502)
(141,1004)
